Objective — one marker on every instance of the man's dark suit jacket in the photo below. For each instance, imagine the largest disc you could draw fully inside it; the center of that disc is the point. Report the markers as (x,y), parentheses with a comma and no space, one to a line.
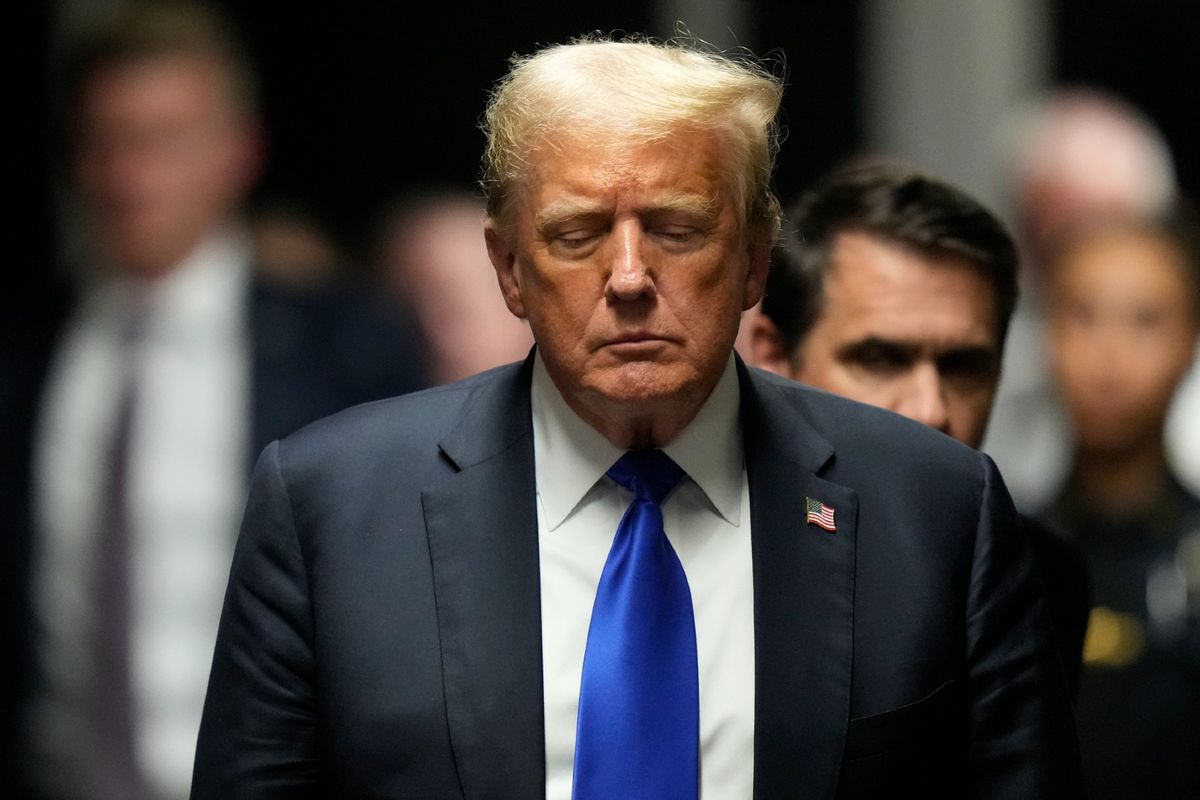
(381,635)
(312,353)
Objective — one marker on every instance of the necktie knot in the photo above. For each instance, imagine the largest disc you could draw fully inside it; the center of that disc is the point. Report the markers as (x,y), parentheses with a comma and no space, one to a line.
(649,474)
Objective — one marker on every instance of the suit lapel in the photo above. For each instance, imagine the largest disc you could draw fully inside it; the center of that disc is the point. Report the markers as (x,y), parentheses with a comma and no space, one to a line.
(482,529)
(803,598)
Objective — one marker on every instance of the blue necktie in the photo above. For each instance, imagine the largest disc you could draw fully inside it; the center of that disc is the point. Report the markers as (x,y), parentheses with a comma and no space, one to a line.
(638,732)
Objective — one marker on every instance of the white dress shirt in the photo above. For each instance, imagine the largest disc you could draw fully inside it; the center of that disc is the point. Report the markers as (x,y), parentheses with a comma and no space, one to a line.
(186,488)
(707,520)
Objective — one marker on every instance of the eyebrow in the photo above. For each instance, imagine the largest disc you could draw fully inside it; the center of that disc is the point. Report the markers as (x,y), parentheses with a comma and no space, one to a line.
(564,210)
(861,347)
(912,350)
(696,204)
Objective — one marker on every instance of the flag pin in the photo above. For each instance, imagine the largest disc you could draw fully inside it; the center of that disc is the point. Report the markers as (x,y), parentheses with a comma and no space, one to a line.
(820,514)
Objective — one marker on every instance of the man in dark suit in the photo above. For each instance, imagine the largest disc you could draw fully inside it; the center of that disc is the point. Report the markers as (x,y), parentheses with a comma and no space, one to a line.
(630,566)
(896,289)
(134,405)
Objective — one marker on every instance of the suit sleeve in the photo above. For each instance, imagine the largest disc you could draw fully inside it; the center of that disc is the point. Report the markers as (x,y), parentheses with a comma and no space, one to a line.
(1023,740)
(258,733)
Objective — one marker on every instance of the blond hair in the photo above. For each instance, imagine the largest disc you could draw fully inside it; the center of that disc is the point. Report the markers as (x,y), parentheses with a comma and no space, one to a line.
(642,91)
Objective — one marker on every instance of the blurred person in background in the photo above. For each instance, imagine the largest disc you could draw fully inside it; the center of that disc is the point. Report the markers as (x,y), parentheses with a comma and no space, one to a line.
(173,366)
(1077,154)
(895,289)
(292,248)
(431,258)
(1123,316)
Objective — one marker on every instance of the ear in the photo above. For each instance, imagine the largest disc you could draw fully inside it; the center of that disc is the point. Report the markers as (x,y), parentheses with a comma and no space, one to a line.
(758,252)
(504,260)
(767,349)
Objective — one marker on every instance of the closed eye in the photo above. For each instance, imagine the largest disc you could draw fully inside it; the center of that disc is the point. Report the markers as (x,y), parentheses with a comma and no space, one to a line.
(576,239)
(678,234)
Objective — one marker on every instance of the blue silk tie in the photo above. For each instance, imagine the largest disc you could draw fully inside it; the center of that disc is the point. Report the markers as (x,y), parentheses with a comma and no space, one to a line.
(638,732)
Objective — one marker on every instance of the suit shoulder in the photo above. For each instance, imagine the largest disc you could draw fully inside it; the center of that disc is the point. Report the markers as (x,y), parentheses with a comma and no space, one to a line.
(411,423)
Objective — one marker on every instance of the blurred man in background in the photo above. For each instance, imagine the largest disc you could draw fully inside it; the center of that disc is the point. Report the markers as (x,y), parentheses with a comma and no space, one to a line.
(1124,313)
(171,369)
(1077,154)
(431,258)
(895,289)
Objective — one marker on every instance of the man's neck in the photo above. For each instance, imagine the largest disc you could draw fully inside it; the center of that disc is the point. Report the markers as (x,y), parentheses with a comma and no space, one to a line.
(1124,483)
(153,268)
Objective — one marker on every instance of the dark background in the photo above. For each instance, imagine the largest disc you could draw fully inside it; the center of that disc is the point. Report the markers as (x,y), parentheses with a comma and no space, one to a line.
(1147,52)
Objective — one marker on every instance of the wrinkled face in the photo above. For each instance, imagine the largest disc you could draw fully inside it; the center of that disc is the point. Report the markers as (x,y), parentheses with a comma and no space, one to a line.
(630,265)
(908,333)
(162,158)
(1122,336)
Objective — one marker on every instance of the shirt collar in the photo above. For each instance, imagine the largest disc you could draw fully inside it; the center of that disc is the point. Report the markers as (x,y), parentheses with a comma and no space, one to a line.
(570,456)
(203,292)
(201,296)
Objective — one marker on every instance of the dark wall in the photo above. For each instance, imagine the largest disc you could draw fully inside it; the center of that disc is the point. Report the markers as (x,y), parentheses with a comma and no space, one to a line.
(822,107)
(29,232)
(1147,52)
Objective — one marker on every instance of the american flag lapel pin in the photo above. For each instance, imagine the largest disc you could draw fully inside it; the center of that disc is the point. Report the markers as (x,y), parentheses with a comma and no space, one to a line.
(820,515)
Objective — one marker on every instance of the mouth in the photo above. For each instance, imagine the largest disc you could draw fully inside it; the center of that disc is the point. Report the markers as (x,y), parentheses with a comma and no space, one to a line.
(636,339)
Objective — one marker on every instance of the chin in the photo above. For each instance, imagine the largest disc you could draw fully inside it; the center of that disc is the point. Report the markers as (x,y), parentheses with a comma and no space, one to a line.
(644,383)
(1107,437)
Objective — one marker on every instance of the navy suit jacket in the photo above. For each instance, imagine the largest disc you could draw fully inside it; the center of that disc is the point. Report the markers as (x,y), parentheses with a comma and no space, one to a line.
(381,635)
(312,353)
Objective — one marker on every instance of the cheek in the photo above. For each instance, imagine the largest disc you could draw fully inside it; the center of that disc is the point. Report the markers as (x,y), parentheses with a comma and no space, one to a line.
(560,309)
(706,303)
(815,368)
(1155,377)
(971,407)
(215,171)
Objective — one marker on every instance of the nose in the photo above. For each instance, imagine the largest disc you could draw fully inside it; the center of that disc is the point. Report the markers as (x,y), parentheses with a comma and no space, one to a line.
(629,277)
(924,398)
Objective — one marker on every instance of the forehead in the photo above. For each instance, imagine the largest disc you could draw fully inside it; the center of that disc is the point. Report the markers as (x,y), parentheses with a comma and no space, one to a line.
(875,288)
(175,83)
(608,168)
(1125,267)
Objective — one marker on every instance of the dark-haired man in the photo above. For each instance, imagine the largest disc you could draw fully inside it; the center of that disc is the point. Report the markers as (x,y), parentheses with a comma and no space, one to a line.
(895,289)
